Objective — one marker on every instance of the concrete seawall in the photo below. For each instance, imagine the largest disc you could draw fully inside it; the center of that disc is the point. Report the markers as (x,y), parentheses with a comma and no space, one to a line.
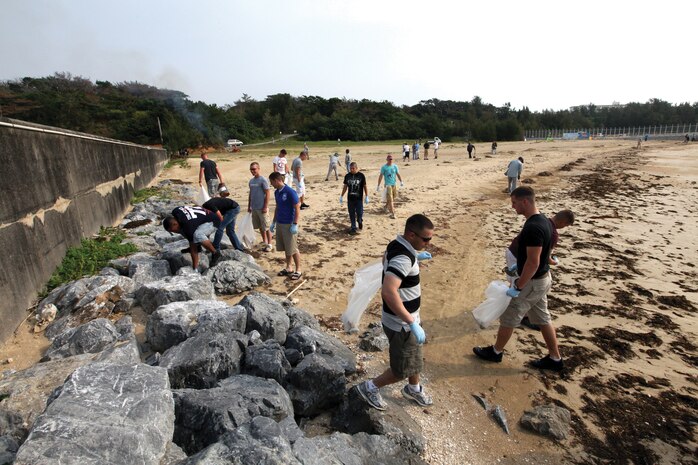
(57,187)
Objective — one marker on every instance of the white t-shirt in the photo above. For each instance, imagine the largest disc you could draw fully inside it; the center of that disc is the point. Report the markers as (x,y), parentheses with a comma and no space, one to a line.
(436,145)
(280,164)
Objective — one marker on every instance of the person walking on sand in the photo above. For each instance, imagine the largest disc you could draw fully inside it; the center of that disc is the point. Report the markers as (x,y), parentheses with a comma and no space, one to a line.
(415,150)
(401,294)
(405,152)
(494,148)
(426,150)
(347,159)
(196,225)
(306,149)
(299,178)
(529,291)
(258,204)
(208,170)
(226,210)
(389,172)
(334,163)
(286,217)
(281,163)
(436,149)
(471,149)
(558,221)
(355,184)
(513,173)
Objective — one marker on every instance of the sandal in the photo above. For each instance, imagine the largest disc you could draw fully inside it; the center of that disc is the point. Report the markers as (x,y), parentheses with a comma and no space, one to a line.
(283,272)
(295,276)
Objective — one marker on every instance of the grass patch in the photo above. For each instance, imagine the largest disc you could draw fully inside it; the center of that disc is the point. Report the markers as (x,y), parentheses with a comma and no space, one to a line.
(90,256)
(181,162)
(162,193)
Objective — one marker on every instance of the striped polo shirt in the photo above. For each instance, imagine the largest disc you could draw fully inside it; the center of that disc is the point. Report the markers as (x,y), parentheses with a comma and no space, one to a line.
(400,260)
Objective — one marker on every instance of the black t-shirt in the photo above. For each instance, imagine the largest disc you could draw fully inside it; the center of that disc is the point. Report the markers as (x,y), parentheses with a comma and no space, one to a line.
(221,204)
(355,185)
(536,232)
(190,218)
(209,167)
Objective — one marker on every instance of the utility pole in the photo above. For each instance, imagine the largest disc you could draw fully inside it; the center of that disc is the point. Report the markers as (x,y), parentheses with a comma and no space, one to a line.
(160,129)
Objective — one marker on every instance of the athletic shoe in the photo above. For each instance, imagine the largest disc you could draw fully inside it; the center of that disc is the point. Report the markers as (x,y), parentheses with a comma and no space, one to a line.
(547,363)
(268,248)
(373,398)
(353,232)
(420,397)
(488,353)
(361,225)
(304,206)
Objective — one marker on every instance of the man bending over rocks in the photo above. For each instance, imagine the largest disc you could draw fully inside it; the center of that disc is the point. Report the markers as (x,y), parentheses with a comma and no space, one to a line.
(196,224)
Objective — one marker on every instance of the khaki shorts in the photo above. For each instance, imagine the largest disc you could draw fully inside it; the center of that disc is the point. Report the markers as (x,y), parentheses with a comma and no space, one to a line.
(390,193)
(285,241)
(533,300)
(260,220)
(405,354)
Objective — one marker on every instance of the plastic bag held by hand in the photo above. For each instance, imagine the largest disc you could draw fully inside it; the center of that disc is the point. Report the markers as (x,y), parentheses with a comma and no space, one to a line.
(245,231)
(496,301)
(201,196)
(367,281)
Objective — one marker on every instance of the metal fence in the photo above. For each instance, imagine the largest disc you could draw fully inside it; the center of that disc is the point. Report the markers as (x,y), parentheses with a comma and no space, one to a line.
(659,131)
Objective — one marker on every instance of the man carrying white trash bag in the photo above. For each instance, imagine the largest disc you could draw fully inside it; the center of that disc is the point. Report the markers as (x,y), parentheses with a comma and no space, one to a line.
(401,295)
(528,293)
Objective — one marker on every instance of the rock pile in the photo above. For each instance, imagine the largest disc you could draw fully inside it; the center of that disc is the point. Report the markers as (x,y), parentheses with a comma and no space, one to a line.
(224,383)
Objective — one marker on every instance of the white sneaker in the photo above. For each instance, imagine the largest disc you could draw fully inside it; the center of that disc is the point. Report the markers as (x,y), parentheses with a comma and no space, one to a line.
(268,248)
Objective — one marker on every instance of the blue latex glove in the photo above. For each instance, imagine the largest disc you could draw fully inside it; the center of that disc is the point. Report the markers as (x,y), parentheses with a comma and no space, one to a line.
(366,200)
(418,332)
(402,184)
(513,292)
(294,229)
(423,256)
(341,200)
(555,259)
(272,227)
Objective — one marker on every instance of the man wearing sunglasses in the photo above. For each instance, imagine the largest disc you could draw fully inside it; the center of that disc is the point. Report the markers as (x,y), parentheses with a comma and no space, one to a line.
(401,294)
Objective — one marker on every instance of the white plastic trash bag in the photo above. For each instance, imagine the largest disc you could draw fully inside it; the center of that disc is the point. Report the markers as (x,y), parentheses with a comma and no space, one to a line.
(202,196)
(384,195)
(367,281)
(245,231)
(496,301)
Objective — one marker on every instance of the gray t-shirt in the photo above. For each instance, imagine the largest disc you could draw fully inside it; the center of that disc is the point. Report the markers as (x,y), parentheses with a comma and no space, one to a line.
(297,165)
(258,192)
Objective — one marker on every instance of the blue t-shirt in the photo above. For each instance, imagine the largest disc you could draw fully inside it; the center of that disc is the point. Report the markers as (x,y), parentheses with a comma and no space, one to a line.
(389,173)
(286,200)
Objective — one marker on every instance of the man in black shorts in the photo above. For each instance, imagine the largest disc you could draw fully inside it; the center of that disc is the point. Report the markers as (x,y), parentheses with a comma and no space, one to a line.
(529,292)
(401,295)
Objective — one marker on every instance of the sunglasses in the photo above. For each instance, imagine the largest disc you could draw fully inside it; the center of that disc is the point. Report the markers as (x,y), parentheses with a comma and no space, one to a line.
(425,239)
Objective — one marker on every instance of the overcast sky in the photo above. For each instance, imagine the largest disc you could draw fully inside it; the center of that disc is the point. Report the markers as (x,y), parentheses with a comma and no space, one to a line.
(540,54)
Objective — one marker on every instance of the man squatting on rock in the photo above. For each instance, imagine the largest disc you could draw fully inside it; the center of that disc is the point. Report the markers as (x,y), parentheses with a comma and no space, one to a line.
(529,291)
(401,294)
(196,224)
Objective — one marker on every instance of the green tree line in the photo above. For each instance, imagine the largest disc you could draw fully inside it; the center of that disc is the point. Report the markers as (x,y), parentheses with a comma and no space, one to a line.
(130,111)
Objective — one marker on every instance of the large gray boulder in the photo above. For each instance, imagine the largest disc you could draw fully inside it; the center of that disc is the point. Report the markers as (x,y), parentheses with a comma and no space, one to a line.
(345,449)
(315,384)
(356,416)
(144,269)
(172,252)
(8,450)
(308,340)
(204,415)
(267,360)
(299,317)
(90,338)
(261,441)
(116,414)
(374,339)
(190,286)
(233,277)
(267,316)
(173,323)
(202,360)
(23,394)
(548,420)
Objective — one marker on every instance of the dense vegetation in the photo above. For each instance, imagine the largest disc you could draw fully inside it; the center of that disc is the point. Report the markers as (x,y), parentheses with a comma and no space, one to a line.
(130,111)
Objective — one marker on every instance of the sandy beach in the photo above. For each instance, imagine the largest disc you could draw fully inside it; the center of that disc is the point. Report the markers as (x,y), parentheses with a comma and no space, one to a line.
(624,297)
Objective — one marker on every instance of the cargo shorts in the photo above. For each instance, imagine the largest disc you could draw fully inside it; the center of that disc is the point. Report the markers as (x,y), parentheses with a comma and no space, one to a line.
(405,354)
(533,300)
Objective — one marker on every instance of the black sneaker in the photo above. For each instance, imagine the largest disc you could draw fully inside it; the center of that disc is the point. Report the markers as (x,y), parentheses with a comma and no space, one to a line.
(353,232)
(547,363)
(488,353)
(361,225)
(304,206)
